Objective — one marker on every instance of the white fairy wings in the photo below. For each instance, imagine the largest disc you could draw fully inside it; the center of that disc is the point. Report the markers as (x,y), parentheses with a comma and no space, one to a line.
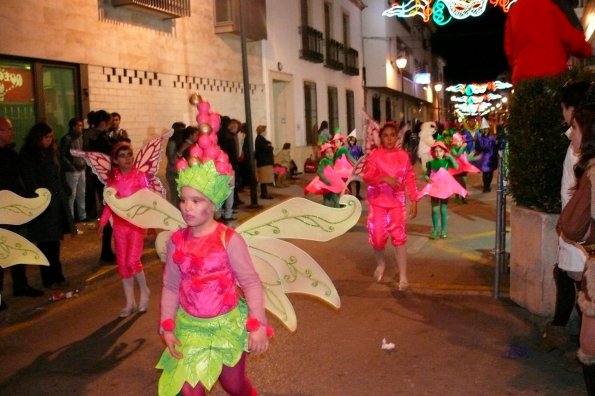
(283,267)
(147,160)
(16,210)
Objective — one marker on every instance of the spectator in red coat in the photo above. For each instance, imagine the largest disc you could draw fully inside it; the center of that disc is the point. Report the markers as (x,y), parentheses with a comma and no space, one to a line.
(539,36)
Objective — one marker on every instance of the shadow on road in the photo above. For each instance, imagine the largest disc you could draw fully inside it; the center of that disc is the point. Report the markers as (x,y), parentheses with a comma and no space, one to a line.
(67,370)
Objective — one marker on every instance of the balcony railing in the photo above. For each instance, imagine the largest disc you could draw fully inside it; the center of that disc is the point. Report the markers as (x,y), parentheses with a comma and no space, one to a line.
(311,45)
(351,62)
(334,55)
(165,8)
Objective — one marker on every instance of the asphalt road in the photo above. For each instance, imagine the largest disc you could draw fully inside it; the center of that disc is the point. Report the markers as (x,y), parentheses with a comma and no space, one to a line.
(451,336)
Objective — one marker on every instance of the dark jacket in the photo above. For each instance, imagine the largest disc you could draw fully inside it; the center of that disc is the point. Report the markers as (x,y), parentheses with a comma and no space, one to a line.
(56,220)
(263,152)
(71,141)
(228,143)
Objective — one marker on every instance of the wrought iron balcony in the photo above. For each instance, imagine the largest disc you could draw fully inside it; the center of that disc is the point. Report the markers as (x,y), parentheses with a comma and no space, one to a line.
(334,55)
(351,62)
(164,8)
(311,45)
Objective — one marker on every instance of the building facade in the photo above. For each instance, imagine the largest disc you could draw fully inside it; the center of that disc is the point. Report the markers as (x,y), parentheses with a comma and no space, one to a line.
(62,58)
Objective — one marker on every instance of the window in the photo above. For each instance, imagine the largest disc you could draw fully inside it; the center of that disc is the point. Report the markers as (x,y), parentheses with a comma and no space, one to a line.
(328,19)
(376,107)
(388,110)
(310,113)
(346,30)
(305,13)
(350,97)
(333,109)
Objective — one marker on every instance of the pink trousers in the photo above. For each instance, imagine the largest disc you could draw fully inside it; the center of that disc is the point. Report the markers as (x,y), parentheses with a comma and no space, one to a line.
(383,222)
(128,243)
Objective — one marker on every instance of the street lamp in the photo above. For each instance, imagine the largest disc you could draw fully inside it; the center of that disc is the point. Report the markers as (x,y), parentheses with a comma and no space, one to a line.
(438,88)
(401,64)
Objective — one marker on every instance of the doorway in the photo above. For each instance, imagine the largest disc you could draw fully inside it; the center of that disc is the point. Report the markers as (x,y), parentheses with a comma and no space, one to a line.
(282,112)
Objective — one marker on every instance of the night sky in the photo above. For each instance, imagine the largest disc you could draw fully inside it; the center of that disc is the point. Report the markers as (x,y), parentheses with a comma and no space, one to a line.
(473,48)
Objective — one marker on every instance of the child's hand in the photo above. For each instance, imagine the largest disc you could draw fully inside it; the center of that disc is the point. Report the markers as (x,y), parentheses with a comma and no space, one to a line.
(412,210)
(100,230)
(171,341)
(258,341)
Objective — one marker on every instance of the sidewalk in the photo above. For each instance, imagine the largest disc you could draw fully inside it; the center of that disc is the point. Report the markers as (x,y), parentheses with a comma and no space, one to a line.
(461,264)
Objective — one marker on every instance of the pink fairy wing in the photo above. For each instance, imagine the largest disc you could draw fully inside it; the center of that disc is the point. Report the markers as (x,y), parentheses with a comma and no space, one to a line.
(372,133)
(100,163)
(148,159)
(155,185)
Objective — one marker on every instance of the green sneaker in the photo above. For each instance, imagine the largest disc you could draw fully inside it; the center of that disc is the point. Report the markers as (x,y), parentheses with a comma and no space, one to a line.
(434,234)
(443,235)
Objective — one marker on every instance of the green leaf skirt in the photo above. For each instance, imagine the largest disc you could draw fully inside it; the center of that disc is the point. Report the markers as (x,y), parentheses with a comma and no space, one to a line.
(207,345)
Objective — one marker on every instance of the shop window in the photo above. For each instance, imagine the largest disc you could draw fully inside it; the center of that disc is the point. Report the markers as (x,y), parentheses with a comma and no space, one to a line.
(32,91)
(350,97)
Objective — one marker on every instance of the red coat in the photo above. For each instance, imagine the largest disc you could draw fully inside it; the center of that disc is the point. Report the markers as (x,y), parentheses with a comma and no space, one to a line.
(538,38)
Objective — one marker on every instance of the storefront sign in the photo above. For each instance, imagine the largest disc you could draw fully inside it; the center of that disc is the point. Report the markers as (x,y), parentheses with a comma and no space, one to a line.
(16,85)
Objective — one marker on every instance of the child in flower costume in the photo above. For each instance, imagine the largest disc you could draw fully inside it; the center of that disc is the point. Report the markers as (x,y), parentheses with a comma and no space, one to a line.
(205,324)
(464,166)
(342,159)
(441,185)
(328,182)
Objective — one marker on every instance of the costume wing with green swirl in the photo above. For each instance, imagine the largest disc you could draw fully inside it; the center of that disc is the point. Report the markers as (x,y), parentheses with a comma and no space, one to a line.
(17,210)
(283,267)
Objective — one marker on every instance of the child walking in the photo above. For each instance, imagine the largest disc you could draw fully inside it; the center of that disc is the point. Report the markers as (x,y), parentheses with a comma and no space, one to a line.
(206,325)
(328,182)
(356,152)
(388,173)
(441,185)
(128,238)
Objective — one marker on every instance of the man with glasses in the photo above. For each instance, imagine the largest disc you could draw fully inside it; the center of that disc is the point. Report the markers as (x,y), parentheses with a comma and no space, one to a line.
(10,179)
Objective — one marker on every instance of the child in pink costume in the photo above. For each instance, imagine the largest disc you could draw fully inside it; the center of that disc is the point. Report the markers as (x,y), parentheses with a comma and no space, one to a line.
(205,322)
(388,173)
(128,238)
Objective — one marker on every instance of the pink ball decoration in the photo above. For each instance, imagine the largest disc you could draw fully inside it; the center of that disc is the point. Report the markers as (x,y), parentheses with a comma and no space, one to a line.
(214,139)
(222,157)
(195,151)
(221,168)
(202,118)
(215,121)
(204,107)
(181,164)
(212,152)
(204,141)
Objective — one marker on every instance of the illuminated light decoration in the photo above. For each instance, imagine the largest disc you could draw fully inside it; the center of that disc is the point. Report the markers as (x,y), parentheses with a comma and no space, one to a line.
(473,110)
(422,78)
(474,99)
(457,9)
(475,89)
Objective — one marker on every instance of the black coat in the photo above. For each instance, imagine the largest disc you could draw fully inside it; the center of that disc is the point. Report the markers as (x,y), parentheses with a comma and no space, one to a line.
(56,220)
(263,152)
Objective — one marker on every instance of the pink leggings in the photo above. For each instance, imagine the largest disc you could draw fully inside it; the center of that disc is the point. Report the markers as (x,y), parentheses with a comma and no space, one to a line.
(128,243)
(383,222)
(232,379)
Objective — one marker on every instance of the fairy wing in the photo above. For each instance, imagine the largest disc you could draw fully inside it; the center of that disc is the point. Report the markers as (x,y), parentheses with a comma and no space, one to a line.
(285,268)
(100,163)
(145,209)
(148,159)
(17,210)
(300,218)
(18,250)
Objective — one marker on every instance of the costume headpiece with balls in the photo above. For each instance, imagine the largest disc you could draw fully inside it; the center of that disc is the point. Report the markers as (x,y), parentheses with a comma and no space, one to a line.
(207,169)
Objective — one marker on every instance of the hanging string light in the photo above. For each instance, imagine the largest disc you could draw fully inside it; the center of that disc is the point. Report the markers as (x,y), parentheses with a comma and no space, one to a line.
(443,11)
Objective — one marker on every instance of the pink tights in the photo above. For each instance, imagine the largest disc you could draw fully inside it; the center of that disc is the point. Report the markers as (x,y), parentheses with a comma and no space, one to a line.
(232,379)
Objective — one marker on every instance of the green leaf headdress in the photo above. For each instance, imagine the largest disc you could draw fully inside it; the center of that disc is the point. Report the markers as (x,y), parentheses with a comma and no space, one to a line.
(207,169)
